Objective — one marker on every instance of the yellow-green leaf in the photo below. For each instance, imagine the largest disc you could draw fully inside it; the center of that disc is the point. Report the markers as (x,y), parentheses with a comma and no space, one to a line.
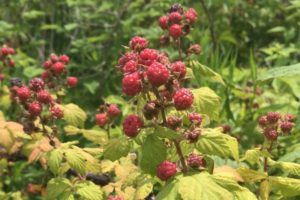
(76,160)
(56,187)
(289,167)
(116,148)
(55,159)
(288,187)
(74,115)
(250,175)
(89,191)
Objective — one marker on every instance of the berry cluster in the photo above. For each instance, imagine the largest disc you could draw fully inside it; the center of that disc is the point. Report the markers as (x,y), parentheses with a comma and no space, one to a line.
(6,59)
(108,114)
(55,70)
(114,198)
(274,124)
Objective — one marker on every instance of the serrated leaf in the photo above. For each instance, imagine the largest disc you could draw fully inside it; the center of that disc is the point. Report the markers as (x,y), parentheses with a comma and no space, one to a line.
(116,148)
(143,190)
(153,153)
(89,191)
(250,175)
(164,132)
(74,115)
(207,102)
(71,130)
(291,70)
(204,72)
(252,156)
(287,167)
(56,187)
(214,142)
(55,159)
(75,160)
(97,136)
(288,187)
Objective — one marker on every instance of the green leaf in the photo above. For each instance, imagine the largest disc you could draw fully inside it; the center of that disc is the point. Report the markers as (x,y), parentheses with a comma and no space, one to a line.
(55,159)
(92,86)
(143,190)
(71,130)
(276,72)
(74,115)
(56,187)
(164,132)
(264,190)
(116,148)
(287,167)
(214,142)
(204,72)
(31,72)
(89,191)
(153,153)
(252,156)
(97,136)
(250,175)
(207,102)
(288,187)
(76,160)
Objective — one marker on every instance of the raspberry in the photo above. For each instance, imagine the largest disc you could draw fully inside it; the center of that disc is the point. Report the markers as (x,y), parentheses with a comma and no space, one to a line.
(175,31)
(263,121)
(132,125)
(11,63)
(35,109)
(148,56)
(54,58)
(157,74)
(131,84)
(57,113)
(101,119)
(36,84)
(58,67)
(166,170)
(192,136)
(113,111)
(191,15)
(64,58)
(175,17)
(47,64)
(127,57)
(4,51)
(195,118)
(150,110)
(130,67)
(270,134)
(11,51)
(179,69)
(226,128)
(286,127)
(138,43)
(183,99)
(195,161)
(289,117)
(194,49)
(273,117)
(23,93)
(45,75)
(174,122)
(114,198)
(163,22)
(44,96)
(72,81)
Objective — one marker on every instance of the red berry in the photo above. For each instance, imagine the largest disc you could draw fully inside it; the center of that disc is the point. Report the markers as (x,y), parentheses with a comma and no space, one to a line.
(175,17)
(196,161)
(130,67)
(47,64)
(226,128)
(4,51)
(191,15)
(101,119)
(64,58)
(179,69)
(286,127)
(193,135)
(127,57)
(194,49)
(11,63)
(23,93)
(166,170)
(113,111)
(132,125)
(44,96)
(35,108)
(114,198)
(148,56)
(58,67)
(157,74)
(11,51)
(183,99)
(54,58)
(263,121)
(270,134)
(175,31)
(195,118)
(273,117)
(36,84)
(138,43)
(45,75)
(131,84)
(57,113)
(289,117)
(174,122)
(72,81)
(163,22)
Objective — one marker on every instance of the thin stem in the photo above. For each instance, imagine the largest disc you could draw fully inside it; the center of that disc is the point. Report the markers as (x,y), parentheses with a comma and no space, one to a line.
(108,131)
(266,159)
(179,49)
(181,157)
